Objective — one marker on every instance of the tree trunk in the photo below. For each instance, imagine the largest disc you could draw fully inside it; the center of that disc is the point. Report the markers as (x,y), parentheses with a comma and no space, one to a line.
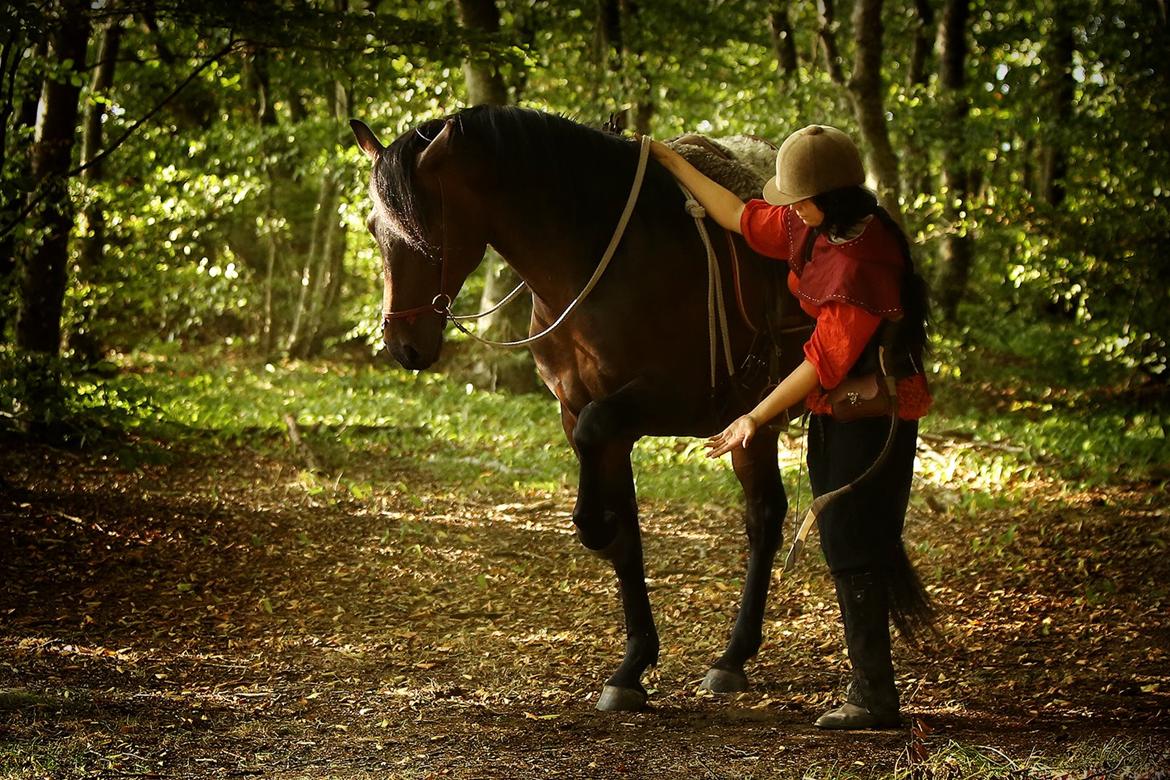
(11,201)
(919,57)
(865,91)
(323,314)
(302,332)
(156,35)
(43,276)
(326,319)
(783,40)
(267,328)
(827,33)
(485,85)
(1061,88)
(610,30)
(916,160)
(315,311)
(10,59)
(638,87)
(614,24)
(958,253)
(83,340)
(257,77)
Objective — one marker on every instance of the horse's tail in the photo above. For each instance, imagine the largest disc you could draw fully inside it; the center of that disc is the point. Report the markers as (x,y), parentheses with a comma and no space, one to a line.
(911,608)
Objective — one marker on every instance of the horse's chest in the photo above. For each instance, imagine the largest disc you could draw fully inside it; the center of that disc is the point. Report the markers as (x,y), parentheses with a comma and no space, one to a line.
(575,372)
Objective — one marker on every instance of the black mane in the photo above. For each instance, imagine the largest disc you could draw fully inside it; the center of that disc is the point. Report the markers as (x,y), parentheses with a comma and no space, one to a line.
(560,163)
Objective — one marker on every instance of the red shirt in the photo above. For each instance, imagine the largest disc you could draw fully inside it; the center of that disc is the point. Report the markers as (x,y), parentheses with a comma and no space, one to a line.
(843,329)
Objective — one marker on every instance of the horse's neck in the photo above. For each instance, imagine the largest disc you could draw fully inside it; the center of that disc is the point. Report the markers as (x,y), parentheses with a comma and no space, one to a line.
(547,249)
(555,247)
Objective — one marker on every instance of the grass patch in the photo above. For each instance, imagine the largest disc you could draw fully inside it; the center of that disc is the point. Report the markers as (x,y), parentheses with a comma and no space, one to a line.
(360,418)
(1043,399)
(1013,407)
(952,760)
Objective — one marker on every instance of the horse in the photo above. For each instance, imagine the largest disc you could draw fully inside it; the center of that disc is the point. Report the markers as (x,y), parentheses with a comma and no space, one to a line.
(630,361)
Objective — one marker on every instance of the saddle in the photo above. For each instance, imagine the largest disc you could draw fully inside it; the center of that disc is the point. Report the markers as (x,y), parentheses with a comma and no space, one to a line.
(741,163)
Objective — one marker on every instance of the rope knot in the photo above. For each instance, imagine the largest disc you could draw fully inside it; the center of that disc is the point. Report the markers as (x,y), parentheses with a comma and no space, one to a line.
(695,209)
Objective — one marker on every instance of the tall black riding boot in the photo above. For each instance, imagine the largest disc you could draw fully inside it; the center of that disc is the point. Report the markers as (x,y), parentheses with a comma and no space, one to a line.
(872,699)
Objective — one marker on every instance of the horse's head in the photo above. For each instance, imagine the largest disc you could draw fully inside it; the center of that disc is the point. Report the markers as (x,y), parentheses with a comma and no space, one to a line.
(426,229)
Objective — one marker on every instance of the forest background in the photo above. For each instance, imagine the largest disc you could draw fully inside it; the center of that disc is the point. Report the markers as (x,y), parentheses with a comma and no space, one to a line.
(183,251)
(184,173)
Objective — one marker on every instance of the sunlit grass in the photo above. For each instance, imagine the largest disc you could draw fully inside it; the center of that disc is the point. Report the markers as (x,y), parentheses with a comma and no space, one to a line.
(953,760)
(448,429)
(995,430)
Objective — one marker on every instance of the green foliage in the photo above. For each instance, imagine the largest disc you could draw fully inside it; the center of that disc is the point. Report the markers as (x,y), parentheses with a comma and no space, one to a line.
(1052,406)
(61,401)
(210,206)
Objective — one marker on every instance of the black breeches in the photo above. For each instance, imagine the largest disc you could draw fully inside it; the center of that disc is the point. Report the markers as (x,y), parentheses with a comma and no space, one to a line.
(862,529)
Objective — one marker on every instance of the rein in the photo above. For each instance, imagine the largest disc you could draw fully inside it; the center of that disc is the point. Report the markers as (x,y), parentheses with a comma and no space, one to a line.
(441,303)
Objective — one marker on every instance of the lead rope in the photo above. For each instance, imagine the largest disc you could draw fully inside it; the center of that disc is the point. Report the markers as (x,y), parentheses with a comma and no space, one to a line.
(631,201)
(800,463)
(503,302)
(716,308)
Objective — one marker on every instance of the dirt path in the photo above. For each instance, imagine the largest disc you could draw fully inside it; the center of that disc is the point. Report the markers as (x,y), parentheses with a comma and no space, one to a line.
(217,614)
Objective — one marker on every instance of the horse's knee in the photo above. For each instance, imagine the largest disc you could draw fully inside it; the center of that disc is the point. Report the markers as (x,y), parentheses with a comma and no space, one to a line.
(593,429)
(765,528)
(597,532)
(765,517)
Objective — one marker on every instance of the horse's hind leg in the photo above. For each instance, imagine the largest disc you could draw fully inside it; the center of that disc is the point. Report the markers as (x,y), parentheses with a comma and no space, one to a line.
(759,475)
(606,516)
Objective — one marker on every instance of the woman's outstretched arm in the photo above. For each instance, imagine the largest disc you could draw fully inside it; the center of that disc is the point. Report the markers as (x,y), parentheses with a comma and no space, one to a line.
(785,395)
(721,203)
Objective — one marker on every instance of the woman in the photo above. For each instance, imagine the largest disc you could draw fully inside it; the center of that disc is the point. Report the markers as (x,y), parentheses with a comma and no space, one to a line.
(850,268)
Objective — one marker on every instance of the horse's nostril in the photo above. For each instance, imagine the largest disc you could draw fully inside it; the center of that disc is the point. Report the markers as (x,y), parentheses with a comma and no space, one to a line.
(411,355)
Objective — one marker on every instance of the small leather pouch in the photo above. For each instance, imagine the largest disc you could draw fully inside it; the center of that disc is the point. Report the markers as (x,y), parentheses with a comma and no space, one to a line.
(859,396)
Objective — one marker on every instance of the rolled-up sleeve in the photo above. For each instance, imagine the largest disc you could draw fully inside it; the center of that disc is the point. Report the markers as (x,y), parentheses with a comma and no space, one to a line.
(767,229)
(840,336)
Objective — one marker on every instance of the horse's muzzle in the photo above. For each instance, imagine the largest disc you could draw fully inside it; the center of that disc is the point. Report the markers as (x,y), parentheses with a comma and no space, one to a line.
(410,358)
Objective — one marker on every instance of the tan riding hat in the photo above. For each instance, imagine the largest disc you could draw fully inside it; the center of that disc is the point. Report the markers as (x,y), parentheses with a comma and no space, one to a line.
(811,161)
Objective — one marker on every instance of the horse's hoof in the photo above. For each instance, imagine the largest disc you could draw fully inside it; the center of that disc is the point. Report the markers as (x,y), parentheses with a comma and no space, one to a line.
(616,699)
(723,681)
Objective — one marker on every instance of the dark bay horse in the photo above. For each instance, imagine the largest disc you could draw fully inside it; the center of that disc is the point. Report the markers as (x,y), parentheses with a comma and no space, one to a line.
(631,361)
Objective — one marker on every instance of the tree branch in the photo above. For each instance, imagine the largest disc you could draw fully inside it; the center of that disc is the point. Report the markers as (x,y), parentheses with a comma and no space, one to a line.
(827,32)
(42,192)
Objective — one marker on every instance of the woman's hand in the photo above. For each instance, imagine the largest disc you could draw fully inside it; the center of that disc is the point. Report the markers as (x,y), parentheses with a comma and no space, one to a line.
(739,433)
(721,204)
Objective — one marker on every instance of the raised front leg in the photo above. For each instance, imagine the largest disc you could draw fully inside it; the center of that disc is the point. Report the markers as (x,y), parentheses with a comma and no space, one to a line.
(606,516)
(759,475)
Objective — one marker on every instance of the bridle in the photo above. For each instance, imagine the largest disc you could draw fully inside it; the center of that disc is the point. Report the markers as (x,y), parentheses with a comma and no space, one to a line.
(441,303)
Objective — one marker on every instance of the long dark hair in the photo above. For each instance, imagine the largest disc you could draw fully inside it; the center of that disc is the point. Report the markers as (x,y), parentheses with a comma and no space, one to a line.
(847,206)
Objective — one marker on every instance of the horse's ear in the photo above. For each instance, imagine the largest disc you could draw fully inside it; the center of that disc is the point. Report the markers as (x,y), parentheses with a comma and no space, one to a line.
(366,139)
(438,148)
